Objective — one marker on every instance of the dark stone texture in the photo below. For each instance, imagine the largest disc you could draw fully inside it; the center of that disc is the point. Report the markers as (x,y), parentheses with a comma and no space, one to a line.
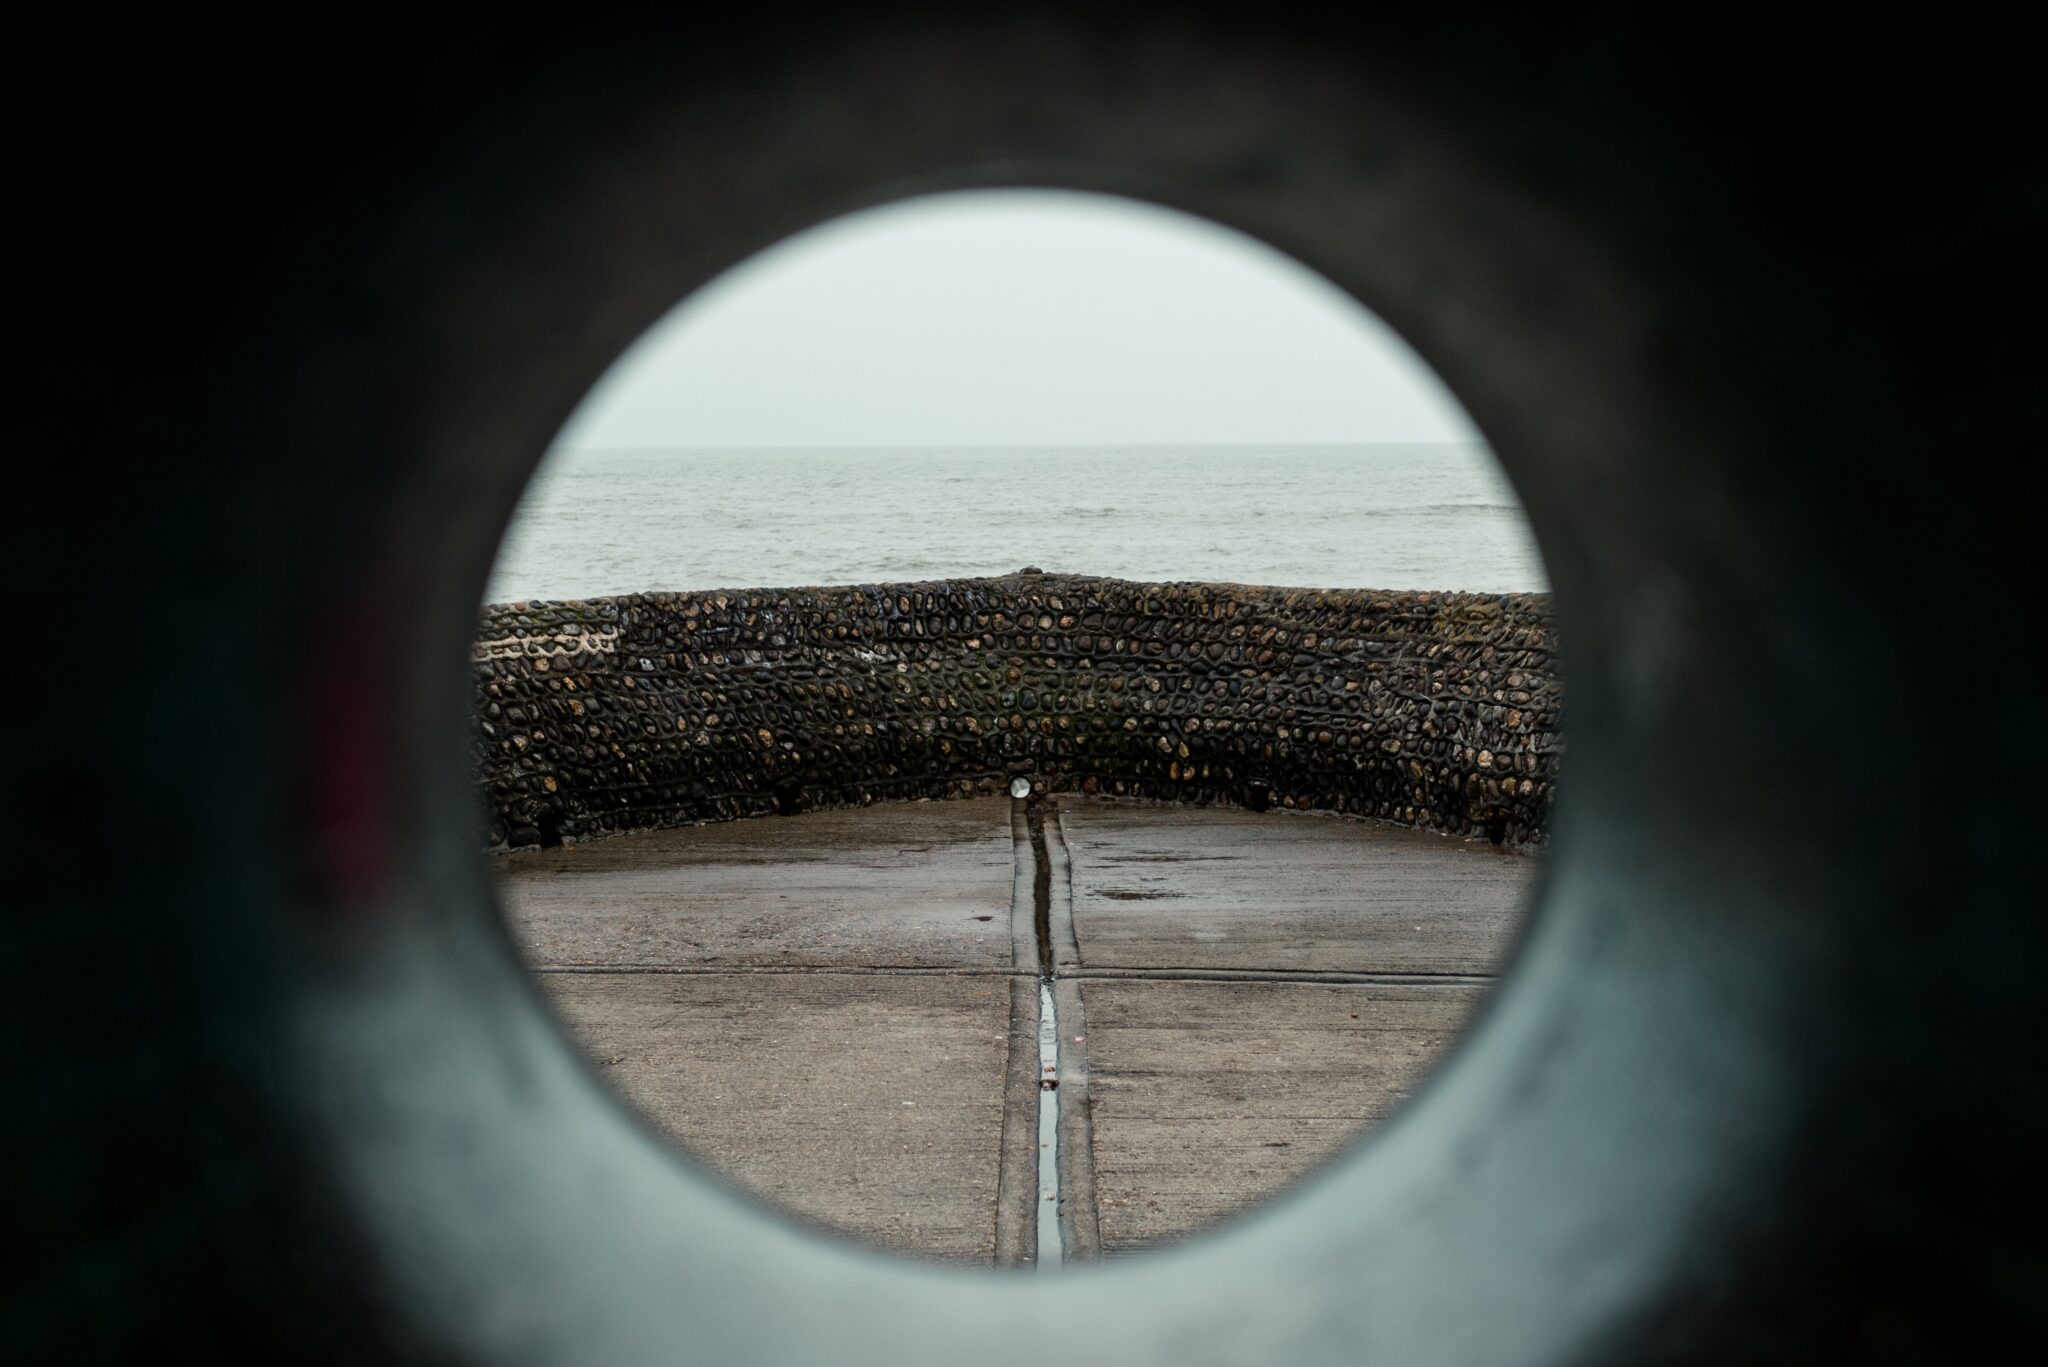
(1436,710)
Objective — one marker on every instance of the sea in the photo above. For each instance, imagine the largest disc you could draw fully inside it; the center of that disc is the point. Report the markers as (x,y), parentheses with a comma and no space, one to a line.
(596,522)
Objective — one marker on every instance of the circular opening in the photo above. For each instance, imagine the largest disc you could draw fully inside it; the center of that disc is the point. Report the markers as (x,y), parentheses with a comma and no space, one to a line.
(1147,990)
(1753,1088)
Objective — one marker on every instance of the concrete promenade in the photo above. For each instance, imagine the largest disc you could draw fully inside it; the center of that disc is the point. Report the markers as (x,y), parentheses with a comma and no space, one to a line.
(839,1011)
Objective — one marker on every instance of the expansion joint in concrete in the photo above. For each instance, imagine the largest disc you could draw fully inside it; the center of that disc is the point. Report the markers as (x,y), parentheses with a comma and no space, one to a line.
(1306,977)
(1018,1197)
(1052,1159)
(1080,1218)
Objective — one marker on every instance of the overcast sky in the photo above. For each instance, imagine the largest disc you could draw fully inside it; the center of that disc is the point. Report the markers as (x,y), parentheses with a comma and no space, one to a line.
(1016,317)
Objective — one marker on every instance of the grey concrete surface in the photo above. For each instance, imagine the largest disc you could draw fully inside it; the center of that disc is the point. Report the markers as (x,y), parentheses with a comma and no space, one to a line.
(903,885)
(838,1011)
(1209,1097)
(817,1007)
(870,1104)
(1220,1071)
(1220,888)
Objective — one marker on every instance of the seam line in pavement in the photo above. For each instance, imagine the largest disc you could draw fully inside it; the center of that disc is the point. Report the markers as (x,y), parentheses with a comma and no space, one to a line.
(1016,1213)
(1308,977)
(1287,975)
(1080,1212)
(1053,1196)
(1017,1172)
(808,970)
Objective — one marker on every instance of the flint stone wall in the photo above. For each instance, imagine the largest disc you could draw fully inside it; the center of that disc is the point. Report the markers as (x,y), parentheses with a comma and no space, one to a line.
(1436,710)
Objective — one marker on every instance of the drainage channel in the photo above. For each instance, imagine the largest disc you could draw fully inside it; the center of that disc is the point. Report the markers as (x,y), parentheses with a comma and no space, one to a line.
(1052,1250)
(1059,1173)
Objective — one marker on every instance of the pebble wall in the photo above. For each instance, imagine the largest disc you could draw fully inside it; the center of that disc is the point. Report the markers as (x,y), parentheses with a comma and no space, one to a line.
(1437,710)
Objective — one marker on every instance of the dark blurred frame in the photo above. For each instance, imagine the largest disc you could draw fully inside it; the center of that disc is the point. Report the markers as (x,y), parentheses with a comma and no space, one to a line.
(1742,318)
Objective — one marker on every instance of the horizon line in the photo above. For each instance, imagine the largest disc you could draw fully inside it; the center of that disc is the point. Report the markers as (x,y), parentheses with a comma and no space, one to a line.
(1019,446)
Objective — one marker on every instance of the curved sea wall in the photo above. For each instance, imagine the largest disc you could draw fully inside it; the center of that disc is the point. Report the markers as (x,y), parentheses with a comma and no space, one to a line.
(1437,710)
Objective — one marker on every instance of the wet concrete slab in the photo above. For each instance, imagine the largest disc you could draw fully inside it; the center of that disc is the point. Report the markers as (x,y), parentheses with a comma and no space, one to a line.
(1210,1097)
(839,1011)
(1221,1070)
(1220,888)
(817,1007)
(917,885)
(869,1104)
